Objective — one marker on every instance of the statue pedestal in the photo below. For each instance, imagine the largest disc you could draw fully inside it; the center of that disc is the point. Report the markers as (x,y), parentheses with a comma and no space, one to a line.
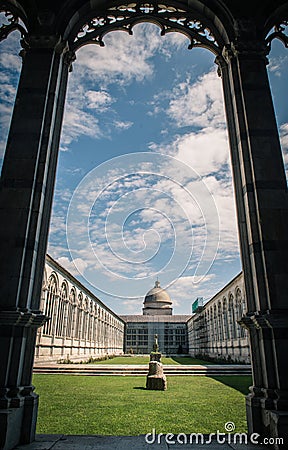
(155,356)
(156,380)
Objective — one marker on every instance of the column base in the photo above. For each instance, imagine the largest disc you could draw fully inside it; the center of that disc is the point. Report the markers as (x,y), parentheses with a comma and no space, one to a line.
(254,414)
(10,427)
(266,422)
(18,425)
(279,427)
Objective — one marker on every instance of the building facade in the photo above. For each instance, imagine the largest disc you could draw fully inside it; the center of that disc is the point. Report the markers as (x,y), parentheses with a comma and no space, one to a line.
(157,318)
(214,331)
(80,325)
(171,332)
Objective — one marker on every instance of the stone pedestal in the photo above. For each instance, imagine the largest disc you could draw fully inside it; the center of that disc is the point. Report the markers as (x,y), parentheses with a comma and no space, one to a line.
(155,356)
(156,380)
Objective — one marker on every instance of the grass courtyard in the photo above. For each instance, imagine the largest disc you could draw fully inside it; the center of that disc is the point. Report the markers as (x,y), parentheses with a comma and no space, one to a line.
(115,405)
(175,360)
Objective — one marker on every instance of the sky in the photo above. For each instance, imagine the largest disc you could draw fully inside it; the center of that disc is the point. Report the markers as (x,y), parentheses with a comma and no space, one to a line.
(144,186)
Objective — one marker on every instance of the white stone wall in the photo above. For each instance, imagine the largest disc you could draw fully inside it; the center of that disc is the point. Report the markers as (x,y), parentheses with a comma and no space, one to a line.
(214,331)
(80,325)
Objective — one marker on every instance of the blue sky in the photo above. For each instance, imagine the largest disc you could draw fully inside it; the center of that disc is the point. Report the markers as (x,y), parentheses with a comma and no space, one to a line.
(144,184)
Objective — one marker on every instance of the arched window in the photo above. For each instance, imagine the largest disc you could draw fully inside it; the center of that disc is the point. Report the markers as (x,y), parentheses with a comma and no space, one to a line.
(71,313)
(79,313)
(85,319)
(220,321)
(225,319)
(240,311)
(50,303)
(61,314)
(232,315)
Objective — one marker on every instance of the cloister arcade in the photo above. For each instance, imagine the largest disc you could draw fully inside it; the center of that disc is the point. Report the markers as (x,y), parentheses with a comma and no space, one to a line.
(81,326)
(215,332)
(239,34)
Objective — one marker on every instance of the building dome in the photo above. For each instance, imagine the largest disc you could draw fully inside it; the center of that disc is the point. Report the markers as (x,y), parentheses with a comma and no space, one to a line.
(157,301)
(157,294)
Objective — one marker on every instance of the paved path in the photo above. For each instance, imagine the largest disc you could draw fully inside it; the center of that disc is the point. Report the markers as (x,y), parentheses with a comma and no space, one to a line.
(64,442)
(121,369)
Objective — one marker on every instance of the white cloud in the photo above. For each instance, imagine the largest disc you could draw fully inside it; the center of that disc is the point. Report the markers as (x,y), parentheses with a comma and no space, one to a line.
(113,64)
(122,125)
(284,144)
(198,104)
(284,137)
(205,151)
(99,100)
(186,288)
(104,67)
(10,64)
(277,65)
(71,266)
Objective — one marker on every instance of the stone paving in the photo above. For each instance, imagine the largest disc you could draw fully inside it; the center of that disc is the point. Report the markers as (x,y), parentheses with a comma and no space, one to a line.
(64,442)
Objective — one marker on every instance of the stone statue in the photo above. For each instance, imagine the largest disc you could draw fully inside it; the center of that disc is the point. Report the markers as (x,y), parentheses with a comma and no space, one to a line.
(156,380)
(156,346)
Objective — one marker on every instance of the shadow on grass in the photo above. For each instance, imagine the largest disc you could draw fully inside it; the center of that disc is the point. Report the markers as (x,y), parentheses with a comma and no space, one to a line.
(240,383)
(140,387)
(188,360)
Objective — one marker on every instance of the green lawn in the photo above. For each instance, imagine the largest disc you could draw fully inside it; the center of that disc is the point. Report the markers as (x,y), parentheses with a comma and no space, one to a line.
(145,360)
(121,406)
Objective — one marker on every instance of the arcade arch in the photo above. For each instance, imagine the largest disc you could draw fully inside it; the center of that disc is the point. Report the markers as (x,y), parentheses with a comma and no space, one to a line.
(241,44)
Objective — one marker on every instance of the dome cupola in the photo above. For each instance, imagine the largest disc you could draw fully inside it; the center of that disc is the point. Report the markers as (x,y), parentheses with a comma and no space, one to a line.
(157,301)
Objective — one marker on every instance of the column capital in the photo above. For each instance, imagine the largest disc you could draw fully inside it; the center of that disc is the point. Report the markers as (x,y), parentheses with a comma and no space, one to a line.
(273,319)
(48,42)
(249,49)
(22,319)
(45,41)
(247,42)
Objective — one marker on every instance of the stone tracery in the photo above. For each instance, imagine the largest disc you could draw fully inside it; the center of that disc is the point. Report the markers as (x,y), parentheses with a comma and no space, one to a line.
(14,23)
(168,18)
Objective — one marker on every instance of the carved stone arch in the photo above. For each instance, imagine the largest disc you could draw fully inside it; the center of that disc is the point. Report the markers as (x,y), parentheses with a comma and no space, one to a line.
(86,304)
(80,300)
(238,294)
(64,290)
(231,297)
(274,27)
(72,295)
(53,278)
(16,19)
(210,27)
(219,305)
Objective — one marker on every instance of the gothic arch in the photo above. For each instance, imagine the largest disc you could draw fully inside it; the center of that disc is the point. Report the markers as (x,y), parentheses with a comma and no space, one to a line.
(259,177)
(50,303)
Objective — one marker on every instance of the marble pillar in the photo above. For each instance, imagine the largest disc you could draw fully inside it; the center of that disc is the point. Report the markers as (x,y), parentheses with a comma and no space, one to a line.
(262,209)
(27,183)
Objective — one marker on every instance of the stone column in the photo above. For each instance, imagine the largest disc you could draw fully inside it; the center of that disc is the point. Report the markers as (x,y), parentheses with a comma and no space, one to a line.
(25,201)
(262,208)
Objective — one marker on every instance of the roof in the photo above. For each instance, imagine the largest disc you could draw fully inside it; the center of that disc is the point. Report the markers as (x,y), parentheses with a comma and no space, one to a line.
(157,294)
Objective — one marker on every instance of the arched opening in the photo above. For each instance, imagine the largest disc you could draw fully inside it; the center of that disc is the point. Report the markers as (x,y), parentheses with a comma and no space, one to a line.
(247,138)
